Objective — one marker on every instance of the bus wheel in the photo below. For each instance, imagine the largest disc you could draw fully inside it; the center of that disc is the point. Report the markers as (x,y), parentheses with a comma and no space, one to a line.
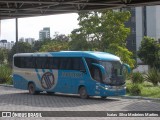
(32,89)
(83,93)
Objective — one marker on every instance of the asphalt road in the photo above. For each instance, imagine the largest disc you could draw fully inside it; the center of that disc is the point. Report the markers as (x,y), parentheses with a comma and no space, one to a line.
(12,99)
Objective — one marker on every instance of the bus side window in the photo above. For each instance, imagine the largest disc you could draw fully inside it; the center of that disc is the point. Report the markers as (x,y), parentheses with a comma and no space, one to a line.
(56,62)
(49,63)
(17,62)
(78,64)
(69,64)
(28,62)
(41,62)
(63,63)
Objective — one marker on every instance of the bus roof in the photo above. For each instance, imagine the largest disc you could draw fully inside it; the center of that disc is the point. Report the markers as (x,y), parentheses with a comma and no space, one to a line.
(91,54)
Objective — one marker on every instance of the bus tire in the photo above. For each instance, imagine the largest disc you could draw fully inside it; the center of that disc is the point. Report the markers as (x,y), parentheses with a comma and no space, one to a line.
(83,93)
(32,89)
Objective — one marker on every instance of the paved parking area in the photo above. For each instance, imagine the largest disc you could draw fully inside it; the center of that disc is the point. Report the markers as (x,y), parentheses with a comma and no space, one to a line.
(12,99)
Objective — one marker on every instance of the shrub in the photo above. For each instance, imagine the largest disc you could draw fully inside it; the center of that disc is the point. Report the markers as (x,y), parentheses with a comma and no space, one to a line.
(137,77)
(135,89)
(153,76)
(5,74)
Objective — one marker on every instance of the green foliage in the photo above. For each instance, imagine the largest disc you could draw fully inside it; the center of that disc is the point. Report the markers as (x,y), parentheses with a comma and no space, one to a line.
(125,55)
(3,55)
(103,31)
(19,47)
(37,45)
(58,43)
(60,37)
(105,27)
(147,89)
(149,52)
(153,76)
(78,42)
(54,46)
(135,86)
(134,89)
(5,74)
(150,91)
(137,77)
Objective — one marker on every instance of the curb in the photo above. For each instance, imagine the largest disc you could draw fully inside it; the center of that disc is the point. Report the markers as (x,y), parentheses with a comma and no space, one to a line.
(139,97)
(6,85)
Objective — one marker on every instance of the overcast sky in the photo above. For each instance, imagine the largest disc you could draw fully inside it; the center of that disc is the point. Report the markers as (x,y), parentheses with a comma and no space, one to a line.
(30,27)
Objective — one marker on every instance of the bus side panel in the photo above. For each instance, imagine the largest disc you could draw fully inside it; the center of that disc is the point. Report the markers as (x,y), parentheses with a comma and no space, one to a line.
(20,82)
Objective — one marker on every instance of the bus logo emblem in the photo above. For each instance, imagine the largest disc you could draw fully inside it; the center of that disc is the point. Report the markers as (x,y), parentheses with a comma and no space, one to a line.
(47,80)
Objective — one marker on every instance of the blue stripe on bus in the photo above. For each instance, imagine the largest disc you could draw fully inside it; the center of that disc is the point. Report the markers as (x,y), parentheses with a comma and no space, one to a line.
(38,75)
(51,70)
(43,70)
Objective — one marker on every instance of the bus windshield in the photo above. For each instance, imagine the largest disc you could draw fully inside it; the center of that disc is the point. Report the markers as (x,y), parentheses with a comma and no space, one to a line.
(114,72)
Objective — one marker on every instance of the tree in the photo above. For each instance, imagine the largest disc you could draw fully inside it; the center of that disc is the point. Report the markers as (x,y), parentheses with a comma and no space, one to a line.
(37,45)
(101,31)
(60,37)
(58,43)
(149,52)
(78,41)
(19,47)
(54,46)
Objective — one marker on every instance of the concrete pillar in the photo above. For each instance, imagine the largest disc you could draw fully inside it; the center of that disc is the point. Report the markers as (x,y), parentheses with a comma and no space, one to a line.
(16,30)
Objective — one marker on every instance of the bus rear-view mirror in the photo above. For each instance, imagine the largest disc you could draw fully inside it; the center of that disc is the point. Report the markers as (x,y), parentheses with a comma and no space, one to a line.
(127,67)
(101,68)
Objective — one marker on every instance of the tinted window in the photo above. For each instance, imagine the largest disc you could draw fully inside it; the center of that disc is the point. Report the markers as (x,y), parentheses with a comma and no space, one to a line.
(77,64)
(17,61)
(24,62)
(90,61)
(71,63)
(41,63)
(63,63)
(53,63)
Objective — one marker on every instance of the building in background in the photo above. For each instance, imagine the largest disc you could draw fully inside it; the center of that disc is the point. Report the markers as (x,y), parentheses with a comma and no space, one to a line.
(6,45)
(30,40)
(144,21)
(21,39)
(44,34)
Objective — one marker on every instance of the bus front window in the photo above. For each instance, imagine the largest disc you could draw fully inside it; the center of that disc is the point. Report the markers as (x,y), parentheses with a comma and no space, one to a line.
(114,74)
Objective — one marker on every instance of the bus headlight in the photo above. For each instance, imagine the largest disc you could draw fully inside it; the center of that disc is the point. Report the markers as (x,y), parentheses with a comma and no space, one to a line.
(106,88)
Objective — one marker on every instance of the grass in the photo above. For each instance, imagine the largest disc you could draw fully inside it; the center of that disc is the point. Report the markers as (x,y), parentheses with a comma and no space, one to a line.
(5,74)
(147,89)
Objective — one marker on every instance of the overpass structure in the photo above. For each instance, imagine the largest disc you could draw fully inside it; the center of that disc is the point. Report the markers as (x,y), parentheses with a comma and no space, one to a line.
(29,8)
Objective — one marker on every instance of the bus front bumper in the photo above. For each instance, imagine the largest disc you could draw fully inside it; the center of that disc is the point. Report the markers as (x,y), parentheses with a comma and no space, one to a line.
(111,91)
